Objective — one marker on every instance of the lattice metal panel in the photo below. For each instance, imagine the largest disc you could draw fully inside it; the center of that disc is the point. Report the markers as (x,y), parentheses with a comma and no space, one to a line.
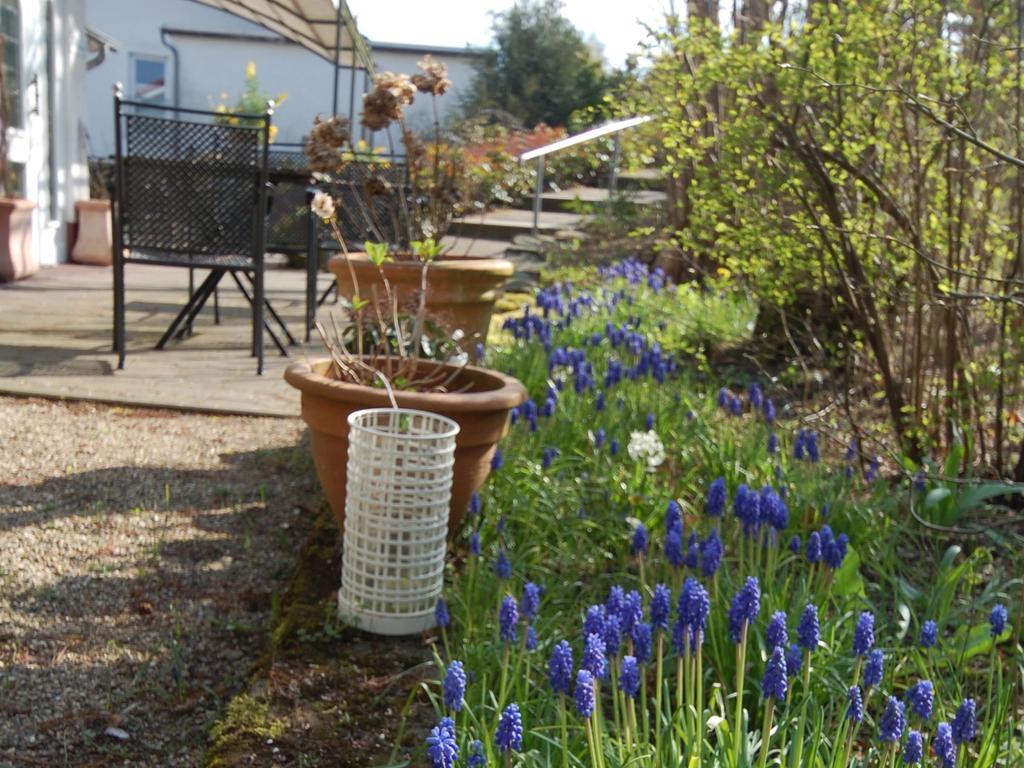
(368,196)
(191,188)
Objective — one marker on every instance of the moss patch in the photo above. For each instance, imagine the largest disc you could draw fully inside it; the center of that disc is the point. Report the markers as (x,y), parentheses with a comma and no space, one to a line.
(325,694)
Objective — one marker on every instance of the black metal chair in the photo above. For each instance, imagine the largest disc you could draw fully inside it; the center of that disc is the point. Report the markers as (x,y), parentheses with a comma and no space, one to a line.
(191,191)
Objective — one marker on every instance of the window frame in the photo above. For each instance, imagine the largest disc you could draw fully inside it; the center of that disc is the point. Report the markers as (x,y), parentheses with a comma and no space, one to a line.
(134,59)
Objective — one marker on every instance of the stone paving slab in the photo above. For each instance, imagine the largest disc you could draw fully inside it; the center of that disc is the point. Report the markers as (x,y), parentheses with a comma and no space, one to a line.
(56,332)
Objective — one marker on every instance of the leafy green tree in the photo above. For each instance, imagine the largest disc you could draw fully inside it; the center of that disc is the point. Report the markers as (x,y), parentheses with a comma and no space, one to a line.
(540,69)
(857,166)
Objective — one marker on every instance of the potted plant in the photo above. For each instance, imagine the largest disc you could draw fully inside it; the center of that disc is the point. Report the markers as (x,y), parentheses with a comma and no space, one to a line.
(461,292)
(17,258)
(381,356)
(94,239)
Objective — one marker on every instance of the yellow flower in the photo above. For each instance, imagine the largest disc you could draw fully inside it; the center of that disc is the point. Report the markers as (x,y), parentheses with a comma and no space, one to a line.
(250,70)
(725,273)
(272,134)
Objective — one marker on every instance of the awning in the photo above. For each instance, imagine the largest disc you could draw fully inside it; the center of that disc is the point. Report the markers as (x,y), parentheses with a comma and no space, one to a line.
(321,26)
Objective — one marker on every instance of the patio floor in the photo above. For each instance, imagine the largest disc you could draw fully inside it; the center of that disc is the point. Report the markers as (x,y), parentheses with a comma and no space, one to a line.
(55,341)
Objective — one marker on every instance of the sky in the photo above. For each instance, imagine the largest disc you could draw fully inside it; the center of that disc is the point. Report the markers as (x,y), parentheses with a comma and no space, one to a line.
(614,24)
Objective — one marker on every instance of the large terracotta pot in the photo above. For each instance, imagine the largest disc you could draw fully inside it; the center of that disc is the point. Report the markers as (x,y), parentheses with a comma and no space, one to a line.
(94,244)
(460,292)
(482,416)
(17,259)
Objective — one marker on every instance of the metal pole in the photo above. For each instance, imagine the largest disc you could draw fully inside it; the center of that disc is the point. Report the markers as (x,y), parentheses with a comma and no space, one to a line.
(352,95)
(537,193)
(616,154)
(337,55)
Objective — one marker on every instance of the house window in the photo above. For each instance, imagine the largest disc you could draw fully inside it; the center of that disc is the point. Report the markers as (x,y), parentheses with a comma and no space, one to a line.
(149,79)
(10,62)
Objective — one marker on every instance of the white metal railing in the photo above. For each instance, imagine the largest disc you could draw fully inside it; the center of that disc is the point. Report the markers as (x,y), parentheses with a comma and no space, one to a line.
(540,153)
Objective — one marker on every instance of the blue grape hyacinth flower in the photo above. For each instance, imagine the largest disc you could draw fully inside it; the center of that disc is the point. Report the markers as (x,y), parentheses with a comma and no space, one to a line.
(965,722)
(808,631)
(776,634)
(530,604)
(612,635)
(497,460)
(997,620)
(477,758)
(442,747)
(744,608)
(640,542)
(594,657)
(474,543)
(454,688)
(508,619)
(714,505)
(864,634)
(584,693)
(661,604)
(913,752)
(629,677)
(509,735)
(813,547)
(674,547)
(943,746)
(892,722)
(794,659)
(441,616)
(593,621)
(642,642)
(874,669)
(632,611)
(929,634)
(502,566)
(795,544)
(560,668)
(921,697)
(711,551)
(774,683)
(854,704)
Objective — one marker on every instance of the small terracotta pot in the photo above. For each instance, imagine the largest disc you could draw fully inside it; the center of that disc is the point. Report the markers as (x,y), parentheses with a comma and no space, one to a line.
(94,244)
(482,416)
(460,292)
(17,259)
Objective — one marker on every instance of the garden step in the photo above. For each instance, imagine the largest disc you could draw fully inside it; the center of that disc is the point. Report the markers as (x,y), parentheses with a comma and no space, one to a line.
(645,178)
(473,247)
(566,199)
(506,223)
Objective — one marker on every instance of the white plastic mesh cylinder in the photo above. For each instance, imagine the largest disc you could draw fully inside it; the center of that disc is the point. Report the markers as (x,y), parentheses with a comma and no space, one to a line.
(396,518)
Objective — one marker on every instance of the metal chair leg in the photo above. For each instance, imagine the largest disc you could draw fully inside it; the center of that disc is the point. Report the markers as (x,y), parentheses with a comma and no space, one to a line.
(119,314)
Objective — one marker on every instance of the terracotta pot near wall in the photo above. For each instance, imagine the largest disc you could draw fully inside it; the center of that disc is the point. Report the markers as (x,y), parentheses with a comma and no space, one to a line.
(94,242)
(460,292)
(482,415)
(17,258)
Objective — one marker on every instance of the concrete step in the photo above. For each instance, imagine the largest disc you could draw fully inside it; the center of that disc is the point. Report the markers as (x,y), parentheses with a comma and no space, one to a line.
(473,247)
(565,199)
(506,223)
(645,178)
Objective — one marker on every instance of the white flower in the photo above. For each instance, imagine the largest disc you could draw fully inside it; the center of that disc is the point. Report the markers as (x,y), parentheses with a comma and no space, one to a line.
(323,205)
(646,446)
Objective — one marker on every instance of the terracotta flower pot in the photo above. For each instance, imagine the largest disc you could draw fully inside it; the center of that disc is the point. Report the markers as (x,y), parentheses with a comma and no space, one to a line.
(94,244)
(482,416)
(17,259)
(460,292)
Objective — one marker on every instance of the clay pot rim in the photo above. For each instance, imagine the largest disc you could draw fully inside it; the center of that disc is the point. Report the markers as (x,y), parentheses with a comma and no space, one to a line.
(484,266)
(508,394)
(16,202)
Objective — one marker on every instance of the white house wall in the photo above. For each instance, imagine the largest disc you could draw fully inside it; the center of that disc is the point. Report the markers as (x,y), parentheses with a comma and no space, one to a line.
(209,67)
(51,145)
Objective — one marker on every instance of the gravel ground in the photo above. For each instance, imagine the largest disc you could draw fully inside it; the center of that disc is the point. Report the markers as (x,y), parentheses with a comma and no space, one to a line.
(140,556)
